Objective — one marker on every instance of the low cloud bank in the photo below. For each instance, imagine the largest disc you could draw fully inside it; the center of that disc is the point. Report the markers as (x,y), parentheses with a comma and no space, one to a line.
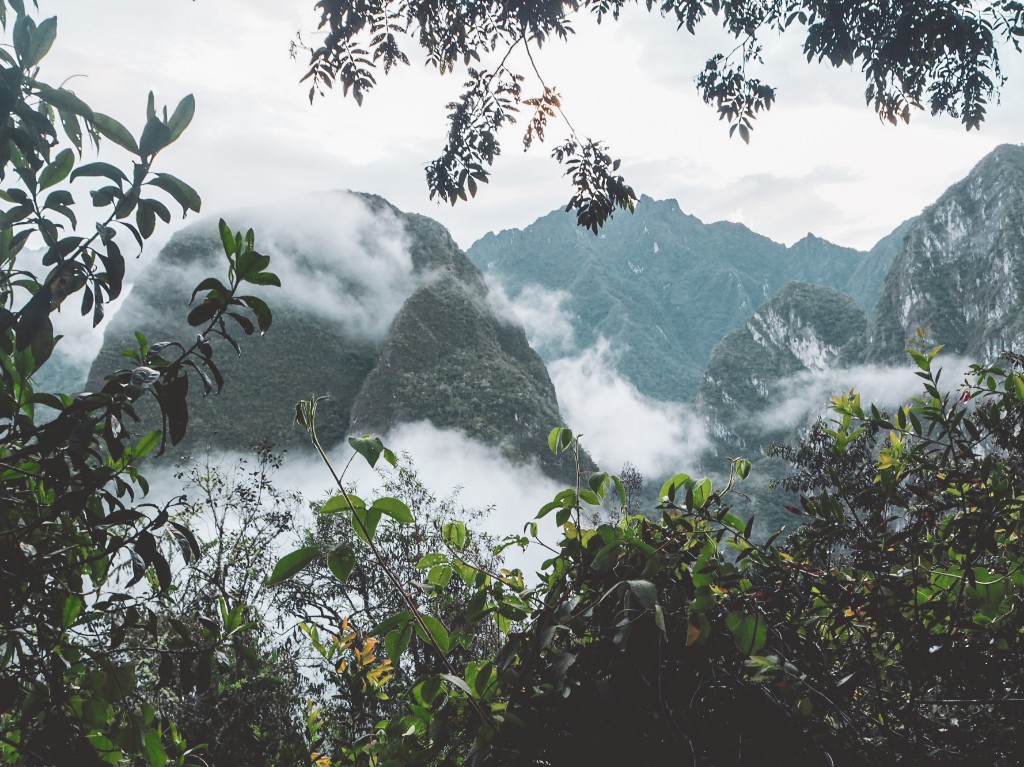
(806,395)
(445,460)
(540,312)
(619,423)
(337,259)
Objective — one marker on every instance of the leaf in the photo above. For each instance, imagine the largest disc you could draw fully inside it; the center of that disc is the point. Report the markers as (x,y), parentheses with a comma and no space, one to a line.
(392,622)
(559,439)
(102,169)
(368,447)
(364,522)
(261,310)
(438,633)
(397,642)
(155,136)
(395,509)
(113,130)
(645,592)
(750,632)
(64,100)
(183,194)
(292,564)
(455,534)
(57,170)
(42,40)
(181,118)
(671,487)
(341,562)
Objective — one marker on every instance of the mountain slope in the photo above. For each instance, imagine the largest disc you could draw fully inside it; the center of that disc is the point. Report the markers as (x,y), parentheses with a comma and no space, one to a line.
(961,271)
(379,310)
(661,286)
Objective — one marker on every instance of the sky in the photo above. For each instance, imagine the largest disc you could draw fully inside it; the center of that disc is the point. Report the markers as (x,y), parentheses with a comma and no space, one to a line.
(819,161)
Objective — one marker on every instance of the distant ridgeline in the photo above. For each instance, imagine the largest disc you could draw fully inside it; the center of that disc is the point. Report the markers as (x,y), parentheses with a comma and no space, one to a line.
(721,314)
(379,310)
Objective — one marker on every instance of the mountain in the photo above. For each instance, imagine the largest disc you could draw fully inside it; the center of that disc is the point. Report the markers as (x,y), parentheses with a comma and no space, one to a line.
(803,327)
(379,310)
(961,271)
(663,287)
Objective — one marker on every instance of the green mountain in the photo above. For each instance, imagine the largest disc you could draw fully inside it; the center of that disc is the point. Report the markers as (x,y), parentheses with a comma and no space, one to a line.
(664,288)
(803,327)
(961,271)
(379,310)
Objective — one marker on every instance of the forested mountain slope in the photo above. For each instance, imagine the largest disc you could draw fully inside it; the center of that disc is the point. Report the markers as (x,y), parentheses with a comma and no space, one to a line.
(961,271)
(379,310)
(663,287)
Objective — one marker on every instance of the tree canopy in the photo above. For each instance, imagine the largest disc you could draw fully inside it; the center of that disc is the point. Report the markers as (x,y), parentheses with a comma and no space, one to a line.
(934,54)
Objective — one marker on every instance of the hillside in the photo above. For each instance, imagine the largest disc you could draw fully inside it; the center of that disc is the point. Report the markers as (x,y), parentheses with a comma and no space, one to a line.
(379,310)
(663,287)
(961,271)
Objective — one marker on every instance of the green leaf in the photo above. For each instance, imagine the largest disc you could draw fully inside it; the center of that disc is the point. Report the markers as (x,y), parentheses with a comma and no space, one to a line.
(392,622)
(64,100)
(364,522)
(101,169)
(42,40)
(645,592)
(183,194)
(227,238)
(154,749)
(750,632)
(113,130)
(559,439)
(397,642)
(455,534)
(742,468)
(671,487)
(438,633)
(338,503)
(368,447)
(395,509)
(341,562)
(701,493)
(292,564)
(261,310)
(430,560)
(155,136)
(181,118)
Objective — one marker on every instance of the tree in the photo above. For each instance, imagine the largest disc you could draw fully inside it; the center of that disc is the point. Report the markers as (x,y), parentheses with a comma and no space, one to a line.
(884,631)
(934,53)
(81,567)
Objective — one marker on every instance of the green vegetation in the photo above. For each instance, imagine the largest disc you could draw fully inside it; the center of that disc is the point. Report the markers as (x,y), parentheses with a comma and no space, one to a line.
(646,284)
(886,631)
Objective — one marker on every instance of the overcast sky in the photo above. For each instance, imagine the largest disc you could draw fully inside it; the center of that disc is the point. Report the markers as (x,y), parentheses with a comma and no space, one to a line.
(819,161)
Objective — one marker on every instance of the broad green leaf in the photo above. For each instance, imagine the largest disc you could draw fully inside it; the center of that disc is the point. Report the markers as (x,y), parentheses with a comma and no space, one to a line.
(645,592)
(455,534)
(701,493)
(181,118)
(438,633)
(750,632)
(395,509)
(368,447)
(559,439)
(341,562)
(183,194)
(338,503)
(364,522)
(292,564)
(113,130)
(430,560)
(397,642)
(671,487)
(392,622)
(57,170)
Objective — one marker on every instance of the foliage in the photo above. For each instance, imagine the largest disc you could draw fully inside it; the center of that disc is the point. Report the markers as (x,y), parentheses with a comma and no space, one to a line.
(79,544)
(885,631)
(242,701)
(929,52)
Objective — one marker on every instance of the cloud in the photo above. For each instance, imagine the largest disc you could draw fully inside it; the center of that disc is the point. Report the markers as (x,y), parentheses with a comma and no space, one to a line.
(803,397)
(336,258)
(619,423)
(539,311)
(446,460)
